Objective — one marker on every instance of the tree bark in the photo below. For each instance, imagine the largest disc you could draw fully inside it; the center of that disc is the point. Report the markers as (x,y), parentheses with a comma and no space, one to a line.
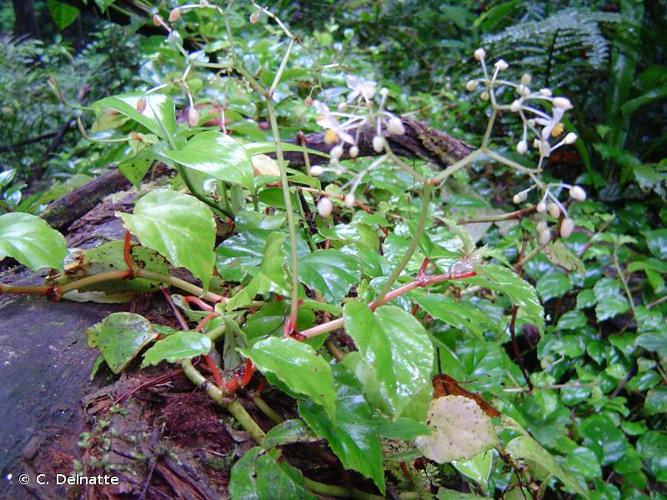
(25,24)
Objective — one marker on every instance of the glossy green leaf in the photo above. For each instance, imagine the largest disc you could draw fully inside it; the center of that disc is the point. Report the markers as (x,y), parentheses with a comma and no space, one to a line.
(158,116)
(657,243)
(583,462)
(288,432)
(258,476)
(541,461)
(656,401)
(352,436)
(605,438)
(216,155)
(270,277)
(552,285)
(330,272)
(178,226)
(62,13)
(652,447)
(610,301)
(30,240)
(177,347)
(396,351)
(520,292)
(477,468)
(654,342)
(298,366)
(120,337)
(460,314)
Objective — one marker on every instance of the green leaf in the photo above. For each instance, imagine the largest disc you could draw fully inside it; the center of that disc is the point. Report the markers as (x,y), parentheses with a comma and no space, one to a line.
(610,301)
(520,292)
(104,4)
(177,347)
(652,447)
(216,155)
(562,256)
(178,226)
(62,13)
(543,463)
(657,242)
(460,314)
(30,240)
(656,401)
(288,432)
(397,353)
(258,476)
(158,116)
(352,436)
(604,437)
(653,342)
(271,276)
(298,366)
(477,468)
(120,337)
(331,272)
(583,462)
(553,284)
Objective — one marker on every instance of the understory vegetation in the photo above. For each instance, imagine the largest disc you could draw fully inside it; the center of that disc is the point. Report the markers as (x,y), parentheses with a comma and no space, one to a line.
(419,246)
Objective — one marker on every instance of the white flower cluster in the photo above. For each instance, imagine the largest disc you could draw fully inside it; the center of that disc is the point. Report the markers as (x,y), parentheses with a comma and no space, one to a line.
(343,125)
(526,106)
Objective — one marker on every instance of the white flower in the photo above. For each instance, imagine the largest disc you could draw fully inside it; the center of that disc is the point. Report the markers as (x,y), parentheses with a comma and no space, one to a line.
(384,92)
(354,152)
(545,148)
(562,103)
(379,143)
(327,120)
(324,207)
(480,54)
(541,207)
(360,87)
(501,65)
(549,124)
(570,138)
(349,200)
(566,227)
(395,126)
(316,171)
(545,92)
(577,193)
(522,90)
(519,197)
(522,147)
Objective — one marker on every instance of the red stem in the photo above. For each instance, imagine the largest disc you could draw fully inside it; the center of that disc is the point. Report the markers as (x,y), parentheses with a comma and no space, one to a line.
(191,299)
(203,322)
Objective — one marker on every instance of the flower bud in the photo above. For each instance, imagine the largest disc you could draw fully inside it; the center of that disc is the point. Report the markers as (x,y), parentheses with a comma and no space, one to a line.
(501,65)
(324,207)
(480,54)
(342,107)
(349,200)
(174,15)
(562,103)
(203,3)
(545,148)
(526,79)
(384,91)
(566,227)
(553,209)
(541,207)
(515,106)
(578,193)
(544,237)
(542,226)
(308,101)
(254,17)
(522,147)
(193,116)
(536,143)
(545,92)
(379,143)
(484,96)
(570,138)
(519,197)
(316,171)
(336,152)
(141,104)
(354,152)
(395,126)
(157,20)
(471,85)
